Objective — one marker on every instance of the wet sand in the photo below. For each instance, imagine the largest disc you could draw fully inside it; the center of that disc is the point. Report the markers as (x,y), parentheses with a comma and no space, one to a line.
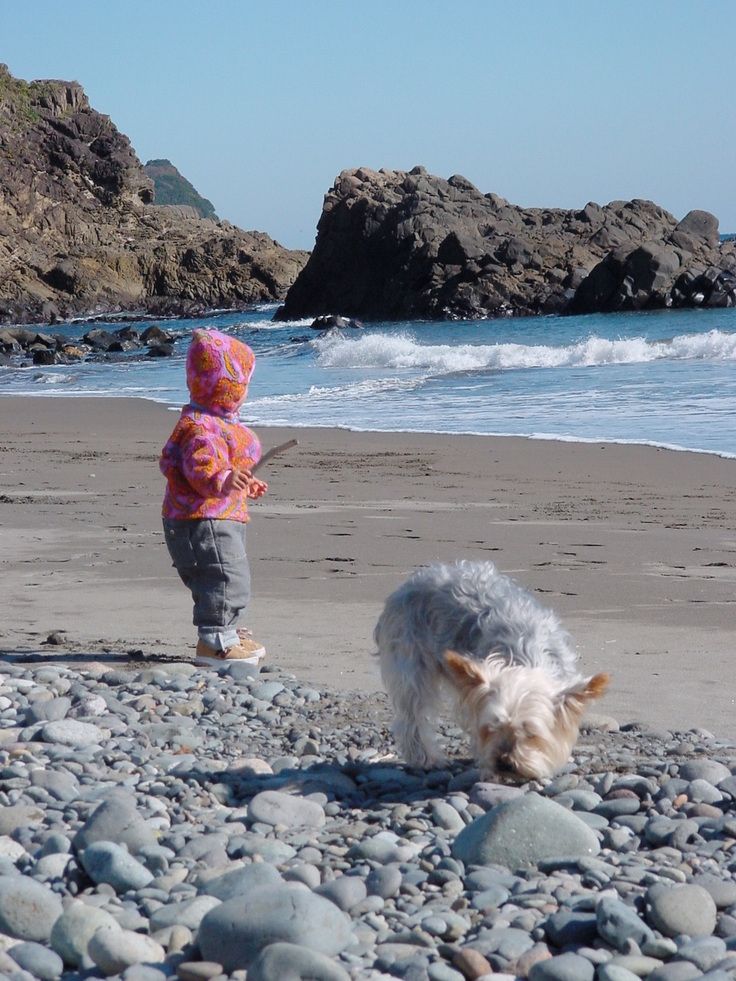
(634,547)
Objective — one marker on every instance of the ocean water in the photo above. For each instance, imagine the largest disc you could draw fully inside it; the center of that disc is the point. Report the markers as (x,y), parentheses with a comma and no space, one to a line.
(665,378)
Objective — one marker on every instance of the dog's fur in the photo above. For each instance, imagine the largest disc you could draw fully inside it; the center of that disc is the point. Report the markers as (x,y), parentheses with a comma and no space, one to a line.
(506,659)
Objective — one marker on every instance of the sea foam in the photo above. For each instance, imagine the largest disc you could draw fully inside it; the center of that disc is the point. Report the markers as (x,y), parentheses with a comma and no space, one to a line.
(401,352)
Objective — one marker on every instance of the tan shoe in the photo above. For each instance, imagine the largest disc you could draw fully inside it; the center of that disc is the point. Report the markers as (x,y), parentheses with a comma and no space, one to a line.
(247,651)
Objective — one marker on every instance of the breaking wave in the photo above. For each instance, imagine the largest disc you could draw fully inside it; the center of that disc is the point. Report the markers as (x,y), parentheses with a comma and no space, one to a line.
(399,352)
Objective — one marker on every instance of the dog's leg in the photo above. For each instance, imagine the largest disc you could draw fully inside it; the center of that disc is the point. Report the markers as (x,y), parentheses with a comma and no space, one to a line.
(415,698)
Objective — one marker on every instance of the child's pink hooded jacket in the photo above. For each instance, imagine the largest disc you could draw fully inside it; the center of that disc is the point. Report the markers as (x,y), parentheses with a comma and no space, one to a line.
(209,440)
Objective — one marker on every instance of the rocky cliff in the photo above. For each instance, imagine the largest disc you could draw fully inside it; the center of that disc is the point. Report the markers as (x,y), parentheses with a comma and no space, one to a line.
(398,245)
(80,233)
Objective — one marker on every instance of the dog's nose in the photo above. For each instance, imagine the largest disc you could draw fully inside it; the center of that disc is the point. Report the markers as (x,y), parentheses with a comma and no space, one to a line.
(504,765)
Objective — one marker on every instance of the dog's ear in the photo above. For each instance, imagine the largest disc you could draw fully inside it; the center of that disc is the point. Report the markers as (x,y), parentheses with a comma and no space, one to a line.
(574,700)
(464,671)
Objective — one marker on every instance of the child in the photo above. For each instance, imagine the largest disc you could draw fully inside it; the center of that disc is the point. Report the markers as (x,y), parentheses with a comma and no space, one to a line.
(207,464)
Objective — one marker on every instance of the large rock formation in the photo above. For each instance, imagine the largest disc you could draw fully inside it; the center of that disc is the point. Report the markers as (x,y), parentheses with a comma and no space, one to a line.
(80,234)
(397,245)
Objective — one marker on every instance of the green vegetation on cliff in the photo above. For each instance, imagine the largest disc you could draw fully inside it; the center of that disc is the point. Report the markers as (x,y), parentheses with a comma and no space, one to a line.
(172,188)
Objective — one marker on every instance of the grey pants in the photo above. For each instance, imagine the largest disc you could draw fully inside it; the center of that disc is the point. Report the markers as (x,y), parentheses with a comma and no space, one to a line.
(210,557)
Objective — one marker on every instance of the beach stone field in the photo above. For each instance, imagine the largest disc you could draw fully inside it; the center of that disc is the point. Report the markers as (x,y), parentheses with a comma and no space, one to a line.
(162,821)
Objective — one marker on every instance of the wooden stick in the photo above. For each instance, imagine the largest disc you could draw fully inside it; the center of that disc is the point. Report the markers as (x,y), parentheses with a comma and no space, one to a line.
(272,452)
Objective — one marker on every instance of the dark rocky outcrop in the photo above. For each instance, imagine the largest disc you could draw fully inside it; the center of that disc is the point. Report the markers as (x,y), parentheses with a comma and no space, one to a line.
(398,245)
(80,233)
(19,345)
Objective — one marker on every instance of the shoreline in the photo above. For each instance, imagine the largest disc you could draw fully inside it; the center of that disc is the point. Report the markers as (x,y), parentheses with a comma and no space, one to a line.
(534,437)
(633,546)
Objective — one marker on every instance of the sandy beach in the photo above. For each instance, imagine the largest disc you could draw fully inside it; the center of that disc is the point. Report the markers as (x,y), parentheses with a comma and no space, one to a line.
(634,547)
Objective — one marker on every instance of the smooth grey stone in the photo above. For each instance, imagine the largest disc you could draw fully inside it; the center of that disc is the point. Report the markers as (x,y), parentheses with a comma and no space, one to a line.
(611,809)
(198,970)
(703,792)
(661,948)
(56,844)
(704,952)
(659,830)
(634,822)
(385,847)
(50,867)
(91,705)
(509,942)
(144,972)
(445,816)
(28,910)
(728,786)
(567,927)
(204,845)
(560,785)
(619,923)
(481,878)
(240,671)
(521,832)
(271,850)
(596,822)
(116,819)
(488,795)
(188,913)
(705,769)
(637,964)
(722,891)
(70,732)
(113,950)
(104,861)
(675,971)
(615,972)
(237,882)
(75,927)
(236,931)
(156,858)
(61,785)
(275,807)
(305,873)
(19,816)
(384,881)
(490,898)
(344,891)
(38,960)
(681,909)
(565,967)
(441,971)
(642,786)
(290,962)
(579,800)
(47,710)
(267,691)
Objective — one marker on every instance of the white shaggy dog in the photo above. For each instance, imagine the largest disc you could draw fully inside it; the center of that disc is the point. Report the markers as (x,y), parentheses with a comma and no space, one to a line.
(467,628)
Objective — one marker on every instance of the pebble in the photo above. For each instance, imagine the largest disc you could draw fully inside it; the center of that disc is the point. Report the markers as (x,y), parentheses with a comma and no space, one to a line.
(38,960)
(113,950)
(28,910)
(523,831)
(205,824)
(236,931)
(681,909)
(290,962)
(104,861)
(73,930)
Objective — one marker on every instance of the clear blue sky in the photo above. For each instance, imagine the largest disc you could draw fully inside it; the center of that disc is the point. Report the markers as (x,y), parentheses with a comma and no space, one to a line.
(261,103)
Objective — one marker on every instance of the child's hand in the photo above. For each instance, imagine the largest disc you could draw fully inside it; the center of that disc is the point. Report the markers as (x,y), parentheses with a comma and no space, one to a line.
(256,488)
(243,480)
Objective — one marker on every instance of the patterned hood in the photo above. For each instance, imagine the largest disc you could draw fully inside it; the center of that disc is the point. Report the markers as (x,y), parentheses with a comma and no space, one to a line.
(218,371)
